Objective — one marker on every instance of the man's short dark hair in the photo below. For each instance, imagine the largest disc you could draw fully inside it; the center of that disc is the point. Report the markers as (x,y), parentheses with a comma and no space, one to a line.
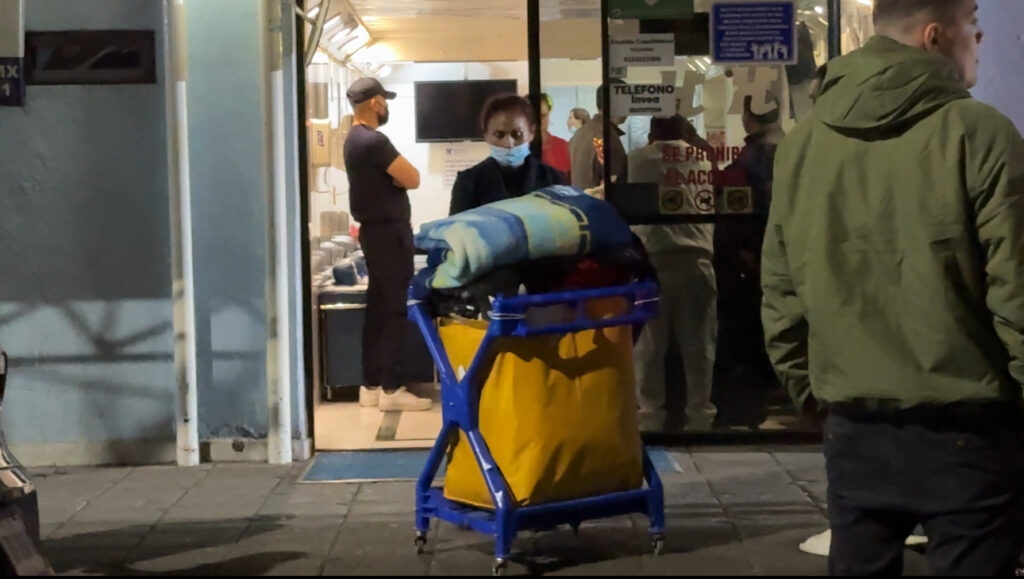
(888,12)
(600,92)
(507,103)
(766,119)
(668,128)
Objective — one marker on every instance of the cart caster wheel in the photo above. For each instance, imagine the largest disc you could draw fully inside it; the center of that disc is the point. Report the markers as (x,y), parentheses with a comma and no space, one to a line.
(658,544)
(499,568)
(421,543)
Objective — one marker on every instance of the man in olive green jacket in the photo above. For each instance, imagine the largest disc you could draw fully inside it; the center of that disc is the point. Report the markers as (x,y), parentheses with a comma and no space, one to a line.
(893,276)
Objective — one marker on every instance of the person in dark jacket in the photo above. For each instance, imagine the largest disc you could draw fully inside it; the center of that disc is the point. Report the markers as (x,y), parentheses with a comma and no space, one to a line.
(509,123)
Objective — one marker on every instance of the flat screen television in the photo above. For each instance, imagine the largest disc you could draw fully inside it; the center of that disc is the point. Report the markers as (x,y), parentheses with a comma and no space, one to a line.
(693,35)
(449,111)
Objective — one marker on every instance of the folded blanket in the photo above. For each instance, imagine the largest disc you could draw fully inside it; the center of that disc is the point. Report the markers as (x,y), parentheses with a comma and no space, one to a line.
(555,221)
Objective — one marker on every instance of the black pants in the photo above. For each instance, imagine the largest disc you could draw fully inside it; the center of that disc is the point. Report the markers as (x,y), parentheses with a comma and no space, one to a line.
(389,262)
(958,474)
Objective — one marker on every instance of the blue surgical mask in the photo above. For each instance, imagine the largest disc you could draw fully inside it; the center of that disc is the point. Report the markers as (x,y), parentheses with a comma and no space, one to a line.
(513,157)
(572,130)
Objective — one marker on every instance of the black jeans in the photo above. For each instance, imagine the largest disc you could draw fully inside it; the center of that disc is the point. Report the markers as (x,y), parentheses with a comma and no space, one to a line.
(958,473)
(389,263)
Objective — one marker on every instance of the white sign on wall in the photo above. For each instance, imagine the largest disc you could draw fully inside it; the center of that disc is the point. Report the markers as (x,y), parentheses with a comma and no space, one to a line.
(657,100)
(642,50)
(459,157)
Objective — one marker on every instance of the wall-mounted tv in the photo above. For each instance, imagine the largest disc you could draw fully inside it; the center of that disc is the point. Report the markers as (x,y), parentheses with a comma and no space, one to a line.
(449,111)
(693,34)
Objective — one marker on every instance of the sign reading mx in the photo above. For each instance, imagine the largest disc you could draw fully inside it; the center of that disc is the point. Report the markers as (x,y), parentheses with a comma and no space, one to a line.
(12,82)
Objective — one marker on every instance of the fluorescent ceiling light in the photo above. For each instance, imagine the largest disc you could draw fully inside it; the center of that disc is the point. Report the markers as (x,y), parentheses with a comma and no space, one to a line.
(332,22)
(353,44)
(819,9)
(342,34)
(312,13)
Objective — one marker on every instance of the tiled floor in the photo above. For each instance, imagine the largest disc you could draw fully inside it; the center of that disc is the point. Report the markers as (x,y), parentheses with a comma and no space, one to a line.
(347,426)
(730,512)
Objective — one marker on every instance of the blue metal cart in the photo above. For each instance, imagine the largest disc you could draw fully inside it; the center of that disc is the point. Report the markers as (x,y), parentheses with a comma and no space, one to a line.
(460,405)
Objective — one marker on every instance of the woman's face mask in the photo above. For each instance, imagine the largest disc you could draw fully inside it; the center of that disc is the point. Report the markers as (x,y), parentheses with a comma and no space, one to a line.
(572,123)
(513,157)
(509,136)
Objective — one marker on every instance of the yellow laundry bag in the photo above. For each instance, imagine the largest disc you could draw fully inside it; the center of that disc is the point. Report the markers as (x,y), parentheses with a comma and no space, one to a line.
(557,412)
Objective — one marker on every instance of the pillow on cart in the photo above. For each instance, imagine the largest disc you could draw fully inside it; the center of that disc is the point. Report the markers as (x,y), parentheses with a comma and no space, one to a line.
(555,221)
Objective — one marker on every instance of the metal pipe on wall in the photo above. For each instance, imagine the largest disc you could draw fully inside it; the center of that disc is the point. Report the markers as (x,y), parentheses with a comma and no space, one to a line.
(835,31)
(185,352)
(533,56)
(279,436)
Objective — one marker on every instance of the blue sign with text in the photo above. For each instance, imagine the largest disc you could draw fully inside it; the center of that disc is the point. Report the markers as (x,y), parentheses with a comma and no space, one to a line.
(12,82)
(753,33)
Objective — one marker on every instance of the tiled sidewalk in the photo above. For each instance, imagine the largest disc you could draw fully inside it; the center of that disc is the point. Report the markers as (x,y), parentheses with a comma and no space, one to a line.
(729,513)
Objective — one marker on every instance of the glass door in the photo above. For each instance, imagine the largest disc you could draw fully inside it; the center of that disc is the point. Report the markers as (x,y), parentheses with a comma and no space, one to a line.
(690,99)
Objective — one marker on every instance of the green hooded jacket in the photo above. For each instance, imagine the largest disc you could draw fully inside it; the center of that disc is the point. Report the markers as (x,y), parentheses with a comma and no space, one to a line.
(893,265)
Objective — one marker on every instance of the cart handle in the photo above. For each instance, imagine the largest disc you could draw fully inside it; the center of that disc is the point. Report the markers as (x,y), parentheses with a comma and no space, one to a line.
(509,314)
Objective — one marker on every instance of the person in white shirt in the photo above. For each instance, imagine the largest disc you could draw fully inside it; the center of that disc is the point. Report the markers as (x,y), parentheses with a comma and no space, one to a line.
(677,159)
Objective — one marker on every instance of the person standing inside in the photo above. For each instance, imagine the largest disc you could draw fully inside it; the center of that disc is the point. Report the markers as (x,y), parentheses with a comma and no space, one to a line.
(577,118)
(379,178)
(682,255)
(587,169)
(555,150)
(893,277)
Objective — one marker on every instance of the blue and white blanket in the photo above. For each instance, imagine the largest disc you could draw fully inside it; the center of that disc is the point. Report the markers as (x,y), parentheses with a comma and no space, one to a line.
(555,221)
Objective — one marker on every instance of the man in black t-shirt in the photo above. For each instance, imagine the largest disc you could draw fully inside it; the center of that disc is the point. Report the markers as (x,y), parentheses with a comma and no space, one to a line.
(379,178)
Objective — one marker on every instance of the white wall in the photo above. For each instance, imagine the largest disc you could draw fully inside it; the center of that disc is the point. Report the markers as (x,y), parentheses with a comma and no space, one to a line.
(1001,81)
(85,301)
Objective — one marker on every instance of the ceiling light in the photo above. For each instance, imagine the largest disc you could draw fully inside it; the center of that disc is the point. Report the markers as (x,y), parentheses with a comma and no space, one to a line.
(819,9)
(353,44)
(332,22)
(312,13)
(342,34)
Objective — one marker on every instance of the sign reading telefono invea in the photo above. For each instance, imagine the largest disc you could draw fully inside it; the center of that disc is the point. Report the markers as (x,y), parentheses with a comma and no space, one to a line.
(658,100)
(12,53)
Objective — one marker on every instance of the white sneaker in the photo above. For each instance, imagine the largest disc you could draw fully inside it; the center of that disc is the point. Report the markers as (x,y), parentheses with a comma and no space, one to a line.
(819,544)
(369,396)
(917,541)
(402,400)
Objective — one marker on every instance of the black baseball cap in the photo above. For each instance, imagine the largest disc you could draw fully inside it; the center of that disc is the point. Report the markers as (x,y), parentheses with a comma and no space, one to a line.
(365,89)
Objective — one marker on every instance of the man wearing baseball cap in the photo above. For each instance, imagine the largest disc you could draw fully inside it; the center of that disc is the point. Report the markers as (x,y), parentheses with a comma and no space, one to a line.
(379,178)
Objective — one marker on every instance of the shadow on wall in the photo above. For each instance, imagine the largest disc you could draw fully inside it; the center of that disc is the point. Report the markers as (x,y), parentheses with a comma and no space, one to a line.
(103,371)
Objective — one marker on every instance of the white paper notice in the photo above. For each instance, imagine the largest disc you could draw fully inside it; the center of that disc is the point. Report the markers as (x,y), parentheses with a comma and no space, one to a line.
(642,50)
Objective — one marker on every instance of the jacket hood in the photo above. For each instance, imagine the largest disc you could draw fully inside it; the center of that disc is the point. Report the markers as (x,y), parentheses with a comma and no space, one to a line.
(884,86)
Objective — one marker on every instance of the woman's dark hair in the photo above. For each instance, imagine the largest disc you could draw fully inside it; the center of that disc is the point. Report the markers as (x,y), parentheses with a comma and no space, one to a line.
(507,103)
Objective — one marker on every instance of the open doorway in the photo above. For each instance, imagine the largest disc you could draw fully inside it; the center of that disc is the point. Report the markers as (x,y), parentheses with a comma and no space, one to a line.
(458,49)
